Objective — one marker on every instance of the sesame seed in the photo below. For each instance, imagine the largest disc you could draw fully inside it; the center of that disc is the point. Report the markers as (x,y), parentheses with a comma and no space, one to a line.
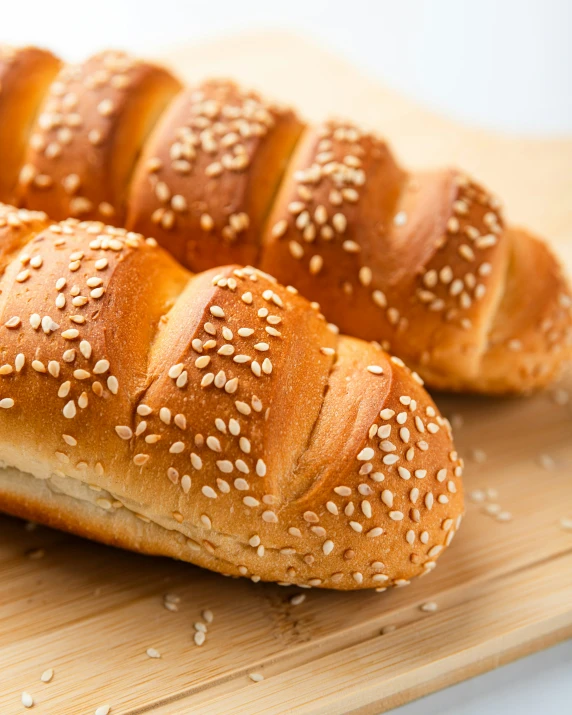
(27,700)
(256,677)
(280,228)
(69,410)
(213,443)
(103,710)
(207,223)
(375,369)
(217,311)
(351,247)
(379,298)
(202,361)
(196,461)
(124,432)
(365,275)
(297,599)
(328,547)
(209,492)
(343,491)
(153,653)
(47,675)
(100,367)
(429,607)
(387,497)
(339,222)
(105,107)
(366,454)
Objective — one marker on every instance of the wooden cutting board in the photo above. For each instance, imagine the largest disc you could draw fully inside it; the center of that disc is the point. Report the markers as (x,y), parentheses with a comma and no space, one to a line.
(502,590)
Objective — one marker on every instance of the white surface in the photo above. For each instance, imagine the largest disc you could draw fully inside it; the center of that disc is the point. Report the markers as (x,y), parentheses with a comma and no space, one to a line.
(502,64)
(541,683)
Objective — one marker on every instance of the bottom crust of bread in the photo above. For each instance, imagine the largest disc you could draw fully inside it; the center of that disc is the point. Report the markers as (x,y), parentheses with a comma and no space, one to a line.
(72,506)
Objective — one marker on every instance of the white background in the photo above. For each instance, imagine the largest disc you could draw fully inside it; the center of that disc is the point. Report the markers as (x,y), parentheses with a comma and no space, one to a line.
(506,64)
(502,64)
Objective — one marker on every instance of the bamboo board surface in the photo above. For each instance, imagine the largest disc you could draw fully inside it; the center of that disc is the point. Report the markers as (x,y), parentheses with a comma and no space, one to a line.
(503,589)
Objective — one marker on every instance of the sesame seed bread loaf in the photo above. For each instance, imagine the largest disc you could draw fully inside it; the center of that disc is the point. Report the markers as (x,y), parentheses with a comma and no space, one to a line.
(217,185)
(217,417)
(88,133)
(26,74)
(421,263)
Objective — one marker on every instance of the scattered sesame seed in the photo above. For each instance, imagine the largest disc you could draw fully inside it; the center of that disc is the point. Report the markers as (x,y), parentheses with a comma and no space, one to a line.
(297,599)
(47,675)
(27,700)
(429,607)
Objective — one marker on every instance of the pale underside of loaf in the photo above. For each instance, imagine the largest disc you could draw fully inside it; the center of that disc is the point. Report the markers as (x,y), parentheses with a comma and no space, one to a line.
(73,506)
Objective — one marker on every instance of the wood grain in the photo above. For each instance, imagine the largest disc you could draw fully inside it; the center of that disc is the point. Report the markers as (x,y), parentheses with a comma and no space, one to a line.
(503,589)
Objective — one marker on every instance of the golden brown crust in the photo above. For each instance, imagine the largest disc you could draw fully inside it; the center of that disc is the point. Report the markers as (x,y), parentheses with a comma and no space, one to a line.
(17,226)
(221,408)
(417,263)
(25,74)
(530,338)
(422,264)
(90,129)
(208,173)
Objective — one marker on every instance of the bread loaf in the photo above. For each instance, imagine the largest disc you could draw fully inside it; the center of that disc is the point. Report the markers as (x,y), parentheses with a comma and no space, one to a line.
(217,418)
(88,134)
(421,263)
(26,74)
